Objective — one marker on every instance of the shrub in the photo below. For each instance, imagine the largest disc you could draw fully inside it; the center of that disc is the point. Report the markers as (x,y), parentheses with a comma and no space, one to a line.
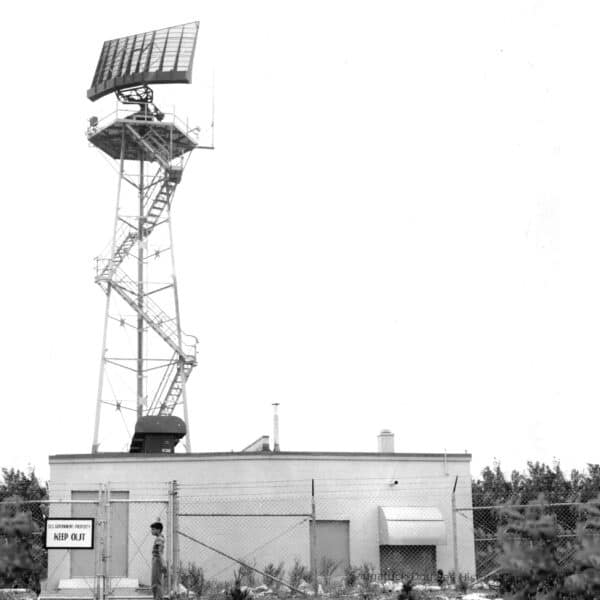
(245,576)
(584,582)
(213,590)
(537,563)
(299,573)
(463,583)
(350,576)
(407,593)
(237,593)
(327,568)
(272,574)
(365,573)
(192,578)
(6,594)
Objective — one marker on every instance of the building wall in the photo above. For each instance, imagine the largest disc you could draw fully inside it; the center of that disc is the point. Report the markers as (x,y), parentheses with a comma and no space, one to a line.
(348,487)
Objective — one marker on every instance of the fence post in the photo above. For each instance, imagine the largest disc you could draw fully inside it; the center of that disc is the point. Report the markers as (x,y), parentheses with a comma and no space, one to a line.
(174,537)
(169,532)
(455,534)
(100,546)
(102,523)
(313,540)
(107,543)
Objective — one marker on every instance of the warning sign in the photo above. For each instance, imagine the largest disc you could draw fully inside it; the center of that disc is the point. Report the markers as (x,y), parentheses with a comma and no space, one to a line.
(69,533)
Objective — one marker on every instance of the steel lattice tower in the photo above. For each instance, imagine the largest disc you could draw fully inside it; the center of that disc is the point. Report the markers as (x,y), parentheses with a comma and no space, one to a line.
(146,357)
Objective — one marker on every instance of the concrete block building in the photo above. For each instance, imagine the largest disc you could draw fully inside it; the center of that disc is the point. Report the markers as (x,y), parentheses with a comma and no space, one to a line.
(392,511)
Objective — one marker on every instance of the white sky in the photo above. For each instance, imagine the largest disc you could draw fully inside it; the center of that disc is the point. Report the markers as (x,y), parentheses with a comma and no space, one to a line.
(398,227)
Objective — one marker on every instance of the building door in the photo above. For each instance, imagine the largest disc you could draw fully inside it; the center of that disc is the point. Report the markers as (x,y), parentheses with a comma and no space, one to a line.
(119,534)
(398,562)
(333,546)
(83,562)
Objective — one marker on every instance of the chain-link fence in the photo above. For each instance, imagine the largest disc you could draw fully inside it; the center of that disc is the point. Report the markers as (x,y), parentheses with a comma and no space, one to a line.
(23,556)
(118,555)
(130,541)
(492,531)
(234,530)
(398,528)
(346,530)
(276,533)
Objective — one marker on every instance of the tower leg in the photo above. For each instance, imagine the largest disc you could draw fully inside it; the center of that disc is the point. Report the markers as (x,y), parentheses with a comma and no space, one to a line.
(187,440)
(96,443)
(140,291)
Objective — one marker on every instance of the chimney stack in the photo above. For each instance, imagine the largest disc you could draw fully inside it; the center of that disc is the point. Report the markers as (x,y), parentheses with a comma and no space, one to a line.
(385,442)
(275,428)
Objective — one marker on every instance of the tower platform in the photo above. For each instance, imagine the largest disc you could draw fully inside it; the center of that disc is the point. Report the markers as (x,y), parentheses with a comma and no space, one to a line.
(169,138)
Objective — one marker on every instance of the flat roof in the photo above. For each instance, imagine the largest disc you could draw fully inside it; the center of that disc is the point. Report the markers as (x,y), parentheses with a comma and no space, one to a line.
(264,454)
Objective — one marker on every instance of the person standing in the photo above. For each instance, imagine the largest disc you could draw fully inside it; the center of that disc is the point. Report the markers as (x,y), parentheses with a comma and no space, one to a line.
(159,568)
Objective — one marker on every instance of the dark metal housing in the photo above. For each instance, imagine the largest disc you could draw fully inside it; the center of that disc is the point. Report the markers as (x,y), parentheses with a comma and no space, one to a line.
(157,433)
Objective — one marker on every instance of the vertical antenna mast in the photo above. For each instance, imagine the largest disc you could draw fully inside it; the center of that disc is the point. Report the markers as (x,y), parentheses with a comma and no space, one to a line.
(146,358)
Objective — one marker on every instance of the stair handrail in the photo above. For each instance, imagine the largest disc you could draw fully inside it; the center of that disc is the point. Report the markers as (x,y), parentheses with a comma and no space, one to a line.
(125,232)
(162,386)
(142,141)
(155,316)
(182,374)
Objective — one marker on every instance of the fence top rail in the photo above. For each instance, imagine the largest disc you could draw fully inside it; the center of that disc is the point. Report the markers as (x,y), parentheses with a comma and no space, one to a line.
(68,501)
(186,514)
(20,502)
(140,500)
(518,538)
(531,504)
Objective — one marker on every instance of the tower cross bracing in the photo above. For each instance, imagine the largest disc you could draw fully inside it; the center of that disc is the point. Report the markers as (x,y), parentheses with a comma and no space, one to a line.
(146,357)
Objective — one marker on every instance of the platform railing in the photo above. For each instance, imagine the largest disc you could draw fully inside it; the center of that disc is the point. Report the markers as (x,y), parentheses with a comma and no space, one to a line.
(96,124)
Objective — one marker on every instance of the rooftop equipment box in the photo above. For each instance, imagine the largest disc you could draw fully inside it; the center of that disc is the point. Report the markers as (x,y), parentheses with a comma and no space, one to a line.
(157,434)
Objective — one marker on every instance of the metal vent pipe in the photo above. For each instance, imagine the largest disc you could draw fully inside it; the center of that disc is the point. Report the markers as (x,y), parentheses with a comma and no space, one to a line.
(275,427)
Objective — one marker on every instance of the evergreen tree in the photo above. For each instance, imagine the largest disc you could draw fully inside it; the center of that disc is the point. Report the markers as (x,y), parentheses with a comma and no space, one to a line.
(493,489)
(23,560)
(585,581)
(535,562)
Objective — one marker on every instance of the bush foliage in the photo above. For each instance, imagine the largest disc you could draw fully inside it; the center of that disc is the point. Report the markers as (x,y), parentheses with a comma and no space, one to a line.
(192,578)
(23,560)
(535,562)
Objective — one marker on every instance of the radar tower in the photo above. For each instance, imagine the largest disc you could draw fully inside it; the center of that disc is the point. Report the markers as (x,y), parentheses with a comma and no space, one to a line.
(146,358)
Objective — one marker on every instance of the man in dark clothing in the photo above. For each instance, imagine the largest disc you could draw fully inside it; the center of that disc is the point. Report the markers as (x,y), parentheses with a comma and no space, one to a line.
(158,562)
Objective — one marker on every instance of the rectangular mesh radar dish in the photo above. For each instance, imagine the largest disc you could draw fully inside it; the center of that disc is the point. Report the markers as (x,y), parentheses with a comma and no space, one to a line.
(161,56)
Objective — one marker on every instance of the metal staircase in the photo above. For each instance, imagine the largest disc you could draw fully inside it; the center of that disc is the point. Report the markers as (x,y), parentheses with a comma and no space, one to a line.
(153,315)
(154,145)
(127,234)
(171,387)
